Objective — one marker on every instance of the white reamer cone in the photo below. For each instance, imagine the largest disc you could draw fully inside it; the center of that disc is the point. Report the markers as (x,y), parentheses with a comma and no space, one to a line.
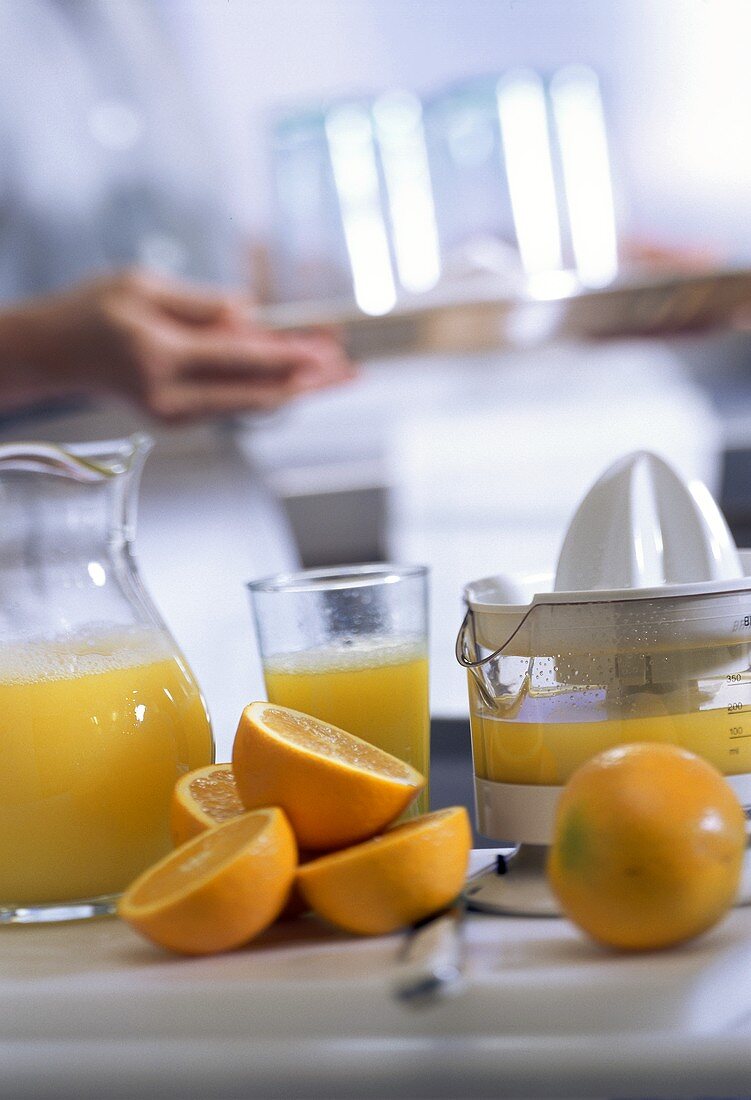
(642,526)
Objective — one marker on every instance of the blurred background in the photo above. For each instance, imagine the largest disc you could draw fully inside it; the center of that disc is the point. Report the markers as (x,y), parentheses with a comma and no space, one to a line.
(674,75)
(377,155)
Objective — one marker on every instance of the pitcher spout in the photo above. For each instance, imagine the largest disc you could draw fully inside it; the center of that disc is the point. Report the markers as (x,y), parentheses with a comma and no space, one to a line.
(83,462)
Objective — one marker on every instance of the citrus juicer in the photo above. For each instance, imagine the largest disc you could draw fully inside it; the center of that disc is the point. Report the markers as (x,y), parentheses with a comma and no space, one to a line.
(642,634)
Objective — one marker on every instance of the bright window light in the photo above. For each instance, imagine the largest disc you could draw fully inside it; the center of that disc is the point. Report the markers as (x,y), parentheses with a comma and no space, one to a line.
(526,146)
(404,157)
(97,573)
(349,134)
(580,123)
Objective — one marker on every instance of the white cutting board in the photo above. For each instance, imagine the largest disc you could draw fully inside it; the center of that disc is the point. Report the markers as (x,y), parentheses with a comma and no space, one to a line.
(92,1008)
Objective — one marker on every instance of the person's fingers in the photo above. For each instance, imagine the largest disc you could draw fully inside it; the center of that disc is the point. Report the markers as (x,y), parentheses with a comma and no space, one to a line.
(741,319)
(190,400)
(325,373)
(318,342)
(188,302)
(323,356)
(184,371)
(215,393)
(207,350)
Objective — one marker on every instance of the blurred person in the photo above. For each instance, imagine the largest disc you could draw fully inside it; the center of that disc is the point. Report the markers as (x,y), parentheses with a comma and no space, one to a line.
(121,308)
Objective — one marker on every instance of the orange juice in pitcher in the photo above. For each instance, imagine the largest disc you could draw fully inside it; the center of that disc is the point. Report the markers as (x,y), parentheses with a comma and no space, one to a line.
(94,733)
(99,713)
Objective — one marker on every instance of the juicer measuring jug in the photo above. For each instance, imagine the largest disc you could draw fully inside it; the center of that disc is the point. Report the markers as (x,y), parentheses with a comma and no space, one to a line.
(643,634)
(99,713)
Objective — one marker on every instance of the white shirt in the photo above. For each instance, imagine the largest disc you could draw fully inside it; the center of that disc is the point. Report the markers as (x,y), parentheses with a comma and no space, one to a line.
(104,158)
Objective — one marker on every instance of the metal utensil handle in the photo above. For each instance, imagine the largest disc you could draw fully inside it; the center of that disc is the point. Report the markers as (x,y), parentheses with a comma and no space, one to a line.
(432,959)
(466,655)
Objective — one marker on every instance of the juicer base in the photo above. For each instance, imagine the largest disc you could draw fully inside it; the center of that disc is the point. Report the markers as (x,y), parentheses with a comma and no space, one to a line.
(744,893)
(78,909)
(524,811)
(516,885)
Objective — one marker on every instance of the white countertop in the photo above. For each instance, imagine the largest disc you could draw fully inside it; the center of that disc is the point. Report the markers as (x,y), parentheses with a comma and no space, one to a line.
(91,1010)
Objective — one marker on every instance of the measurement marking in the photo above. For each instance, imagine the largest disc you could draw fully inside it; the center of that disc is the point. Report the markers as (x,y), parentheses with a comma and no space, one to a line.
(739,736)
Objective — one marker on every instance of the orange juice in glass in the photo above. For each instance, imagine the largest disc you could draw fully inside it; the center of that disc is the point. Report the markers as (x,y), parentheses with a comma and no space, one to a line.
(349,645)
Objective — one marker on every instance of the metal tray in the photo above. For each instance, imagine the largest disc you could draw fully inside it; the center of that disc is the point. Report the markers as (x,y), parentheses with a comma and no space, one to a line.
(482,315)
(92,1011)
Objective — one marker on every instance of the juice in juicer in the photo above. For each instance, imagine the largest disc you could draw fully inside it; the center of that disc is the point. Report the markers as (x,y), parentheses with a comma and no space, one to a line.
(642,635)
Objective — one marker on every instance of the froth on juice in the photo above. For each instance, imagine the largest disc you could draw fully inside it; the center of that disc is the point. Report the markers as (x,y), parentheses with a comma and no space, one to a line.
(374,688)
(95,729)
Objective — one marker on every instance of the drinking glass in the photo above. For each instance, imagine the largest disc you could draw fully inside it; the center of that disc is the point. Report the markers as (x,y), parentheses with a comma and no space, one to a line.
(349,645)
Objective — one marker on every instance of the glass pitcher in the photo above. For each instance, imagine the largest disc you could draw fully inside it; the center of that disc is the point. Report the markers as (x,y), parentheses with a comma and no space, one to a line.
(99,713)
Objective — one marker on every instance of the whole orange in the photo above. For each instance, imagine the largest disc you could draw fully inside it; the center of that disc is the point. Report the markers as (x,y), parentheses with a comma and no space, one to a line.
(648,846)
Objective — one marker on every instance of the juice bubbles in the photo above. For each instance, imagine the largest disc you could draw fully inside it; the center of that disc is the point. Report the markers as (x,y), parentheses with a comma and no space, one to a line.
(376,689)
(94,731)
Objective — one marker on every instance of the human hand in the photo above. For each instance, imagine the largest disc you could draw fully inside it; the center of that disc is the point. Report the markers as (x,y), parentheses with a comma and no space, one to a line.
(670,291)
(180,351)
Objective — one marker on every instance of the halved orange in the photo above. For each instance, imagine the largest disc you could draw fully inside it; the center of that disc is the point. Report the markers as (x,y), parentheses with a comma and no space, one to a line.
(402,876)
(201,799)
(218,890)
(335,788)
